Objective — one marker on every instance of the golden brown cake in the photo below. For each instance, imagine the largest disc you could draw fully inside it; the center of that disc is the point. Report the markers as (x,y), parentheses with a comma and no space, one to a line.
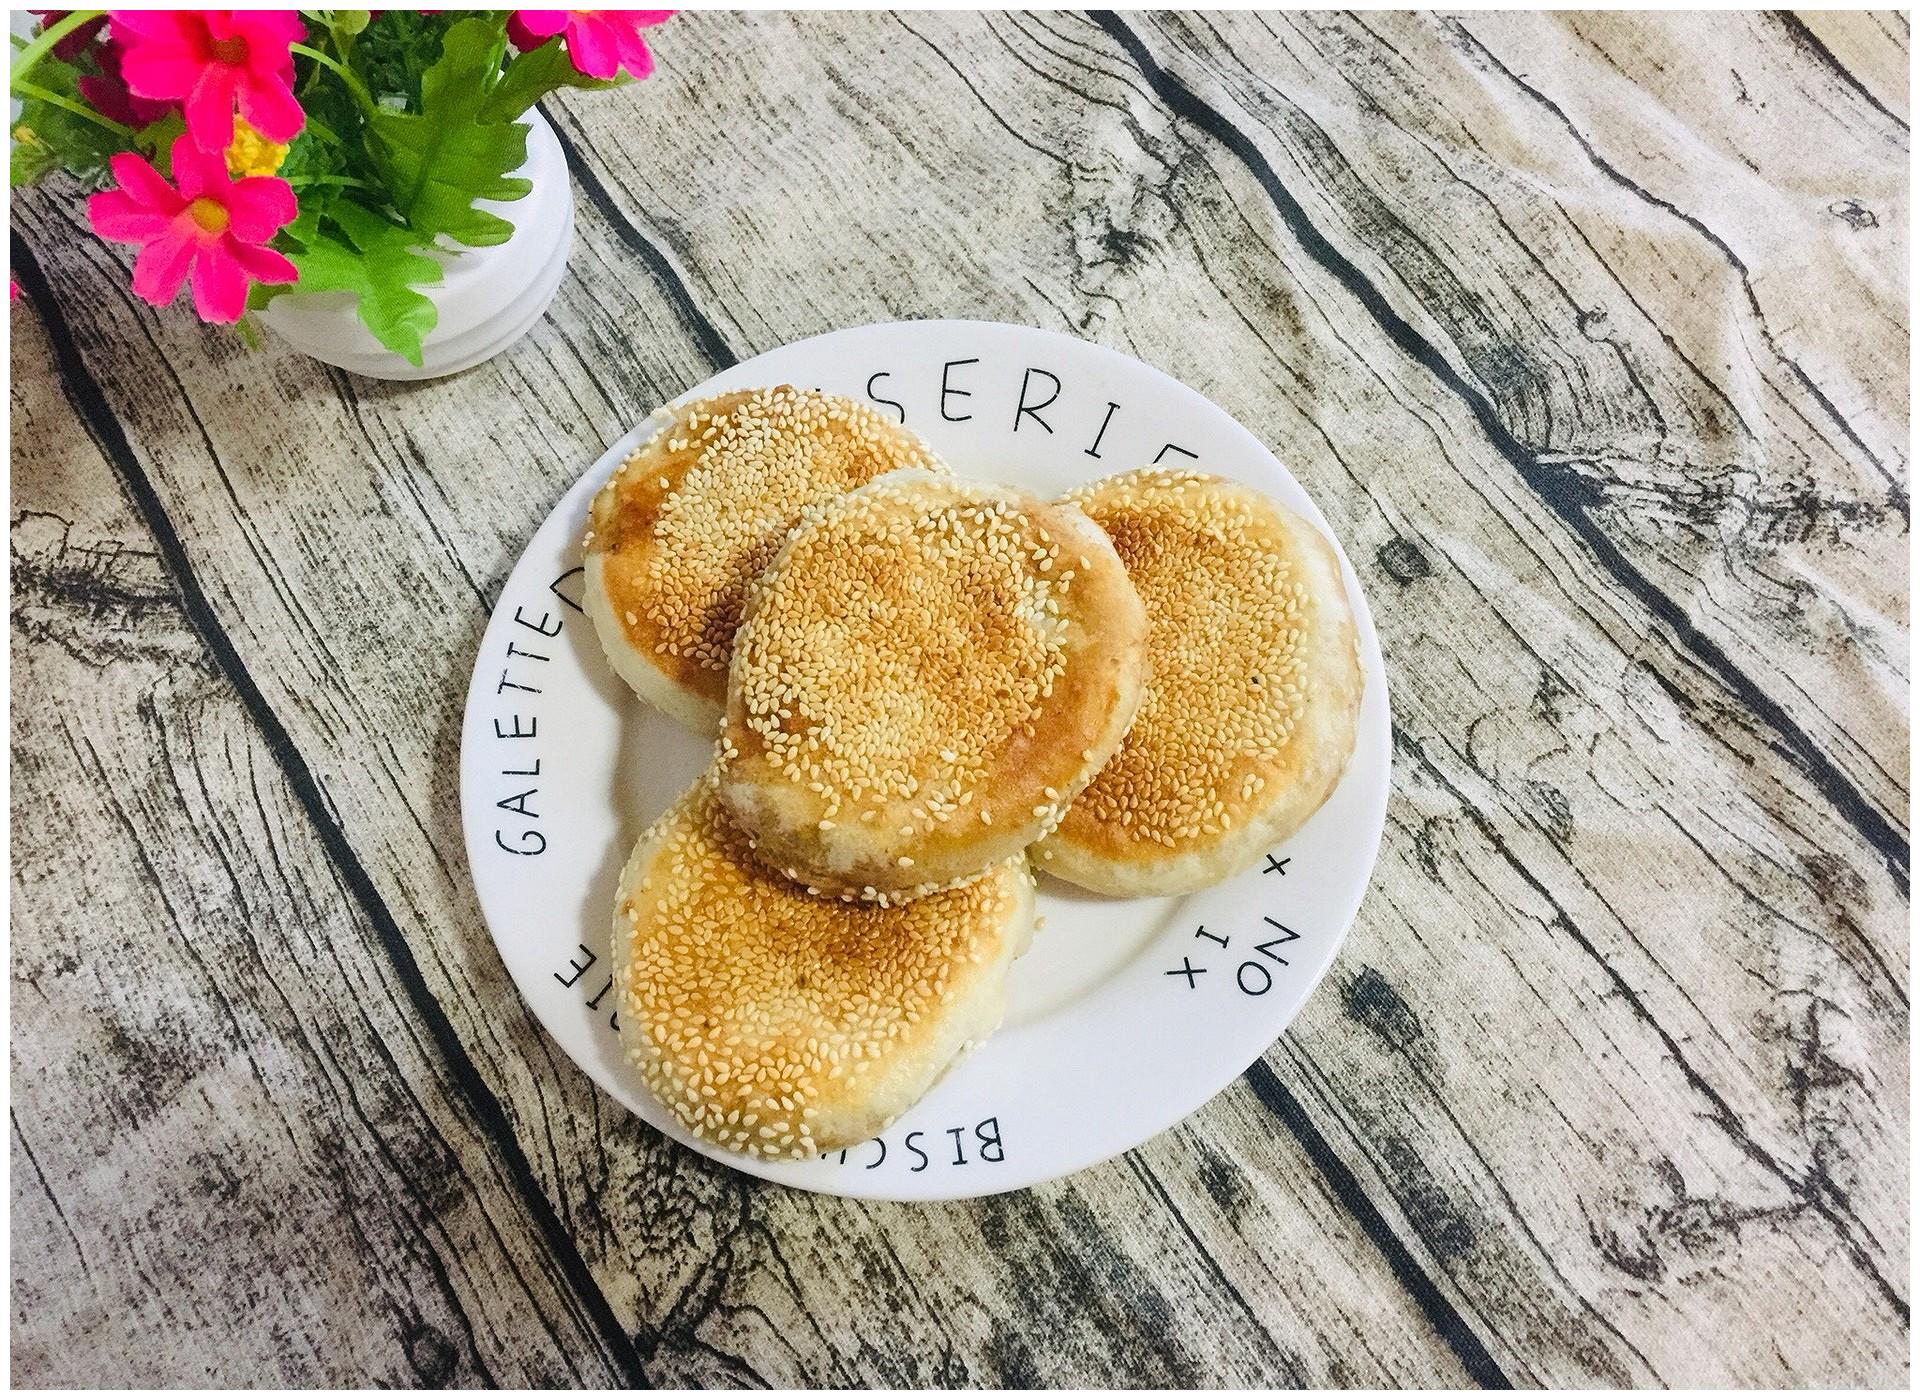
(926,676)
(780,1024)
(687,523)
(1253,689)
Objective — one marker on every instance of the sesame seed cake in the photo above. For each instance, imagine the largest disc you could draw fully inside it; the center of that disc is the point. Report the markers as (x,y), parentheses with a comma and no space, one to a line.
(686,524)
(925,677)
(1253,690)
(778,1024)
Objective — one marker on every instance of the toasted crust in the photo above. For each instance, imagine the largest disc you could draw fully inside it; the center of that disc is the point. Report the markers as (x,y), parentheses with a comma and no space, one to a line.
(1253,692)
(926,675)
(687,523)
(783,1025)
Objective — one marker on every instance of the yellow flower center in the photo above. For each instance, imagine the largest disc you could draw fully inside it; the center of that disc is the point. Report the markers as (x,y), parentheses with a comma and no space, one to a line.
(230,50)
(210,214)
(251,153)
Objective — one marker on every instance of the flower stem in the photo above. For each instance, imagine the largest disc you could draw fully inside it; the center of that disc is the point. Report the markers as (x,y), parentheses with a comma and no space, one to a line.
(495,55)
(24,60)
(30,54)
(79,109)
(346,75)
(348,180)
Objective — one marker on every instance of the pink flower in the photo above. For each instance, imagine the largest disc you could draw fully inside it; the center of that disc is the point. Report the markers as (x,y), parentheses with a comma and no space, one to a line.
(209,59)
(600,42)
(211,226)
(108,95)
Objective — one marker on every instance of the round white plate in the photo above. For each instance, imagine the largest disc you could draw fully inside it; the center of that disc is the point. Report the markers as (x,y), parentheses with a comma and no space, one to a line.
(1126,1015)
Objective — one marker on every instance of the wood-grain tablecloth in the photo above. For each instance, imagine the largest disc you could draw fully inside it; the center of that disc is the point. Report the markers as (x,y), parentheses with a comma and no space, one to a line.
(1588,333)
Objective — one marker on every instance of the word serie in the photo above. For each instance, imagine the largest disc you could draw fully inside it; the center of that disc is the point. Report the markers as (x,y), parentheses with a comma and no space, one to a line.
(1034,408)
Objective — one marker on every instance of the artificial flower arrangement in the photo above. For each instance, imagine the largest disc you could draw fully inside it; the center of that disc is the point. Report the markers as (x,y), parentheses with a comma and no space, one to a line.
(253,153)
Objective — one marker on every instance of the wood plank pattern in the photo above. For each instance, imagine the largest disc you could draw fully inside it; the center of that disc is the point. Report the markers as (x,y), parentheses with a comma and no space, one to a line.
(1589,334)
(185,1097)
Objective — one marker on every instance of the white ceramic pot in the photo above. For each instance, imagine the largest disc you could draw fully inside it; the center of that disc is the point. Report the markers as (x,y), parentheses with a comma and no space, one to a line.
(490,298)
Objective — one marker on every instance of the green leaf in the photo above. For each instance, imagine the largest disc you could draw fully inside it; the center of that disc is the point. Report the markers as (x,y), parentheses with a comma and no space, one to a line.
(532,76)
(435,163)
(333,135)
(313,152)
(31,159)
(376,263)
(393,53)
(155,141)
(315,203)
(48,137)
